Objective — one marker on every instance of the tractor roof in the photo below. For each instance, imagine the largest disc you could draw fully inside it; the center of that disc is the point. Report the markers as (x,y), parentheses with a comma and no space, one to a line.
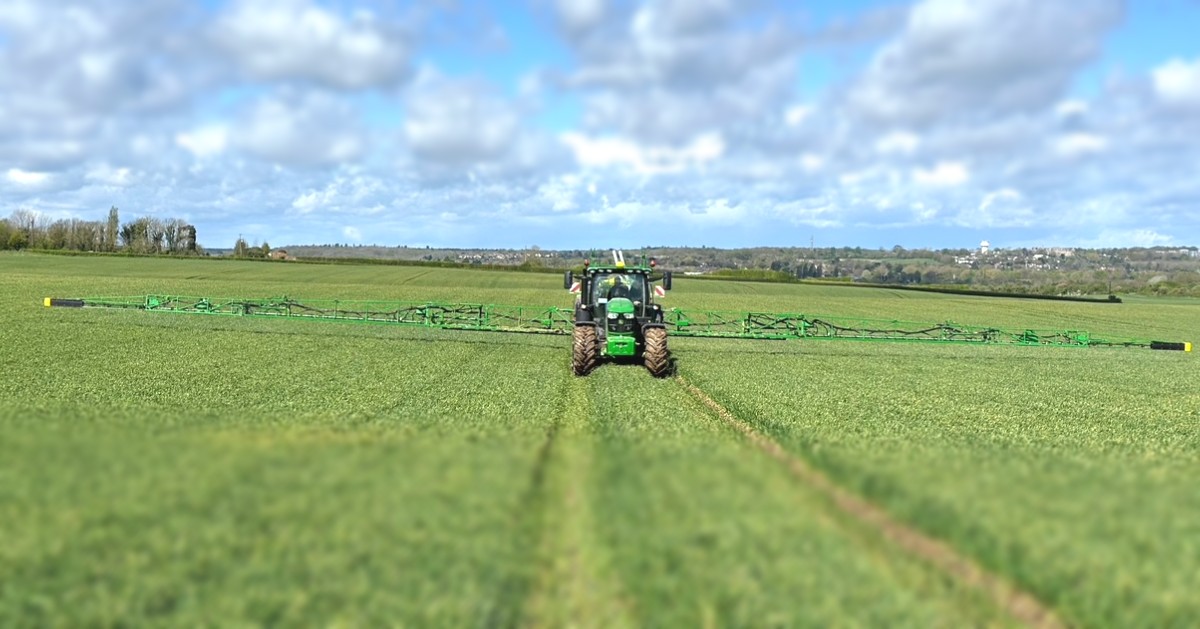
(608,268)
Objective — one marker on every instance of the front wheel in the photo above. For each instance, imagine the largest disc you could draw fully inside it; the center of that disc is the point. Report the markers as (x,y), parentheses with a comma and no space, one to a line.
(585,350)
(656,356)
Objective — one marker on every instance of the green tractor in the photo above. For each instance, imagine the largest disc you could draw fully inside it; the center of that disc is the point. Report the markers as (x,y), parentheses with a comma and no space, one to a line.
(616,317)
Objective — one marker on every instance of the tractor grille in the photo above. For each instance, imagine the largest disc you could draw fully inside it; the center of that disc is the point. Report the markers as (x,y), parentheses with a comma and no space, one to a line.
(621,323)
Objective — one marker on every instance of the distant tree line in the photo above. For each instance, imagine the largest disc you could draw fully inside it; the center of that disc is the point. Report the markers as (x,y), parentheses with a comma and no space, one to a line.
(1173,271)
(26,229)
(1044,271)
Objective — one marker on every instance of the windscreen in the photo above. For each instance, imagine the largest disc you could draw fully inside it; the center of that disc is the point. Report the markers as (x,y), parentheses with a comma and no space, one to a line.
(631,286)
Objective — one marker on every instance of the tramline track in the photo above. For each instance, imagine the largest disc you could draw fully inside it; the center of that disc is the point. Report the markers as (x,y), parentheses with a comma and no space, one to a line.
(1019,604)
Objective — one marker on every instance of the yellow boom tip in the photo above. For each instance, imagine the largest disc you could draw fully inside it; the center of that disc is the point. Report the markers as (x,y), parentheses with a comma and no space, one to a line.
(47,302)
(1187,347)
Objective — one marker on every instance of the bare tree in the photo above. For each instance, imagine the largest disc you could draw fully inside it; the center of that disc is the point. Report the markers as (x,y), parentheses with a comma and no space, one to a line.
(172,232)
(89,235)
(25,220)
(154,235)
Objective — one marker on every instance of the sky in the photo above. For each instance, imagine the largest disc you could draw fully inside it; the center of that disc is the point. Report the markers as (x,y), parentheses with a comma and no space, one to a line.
(610,123)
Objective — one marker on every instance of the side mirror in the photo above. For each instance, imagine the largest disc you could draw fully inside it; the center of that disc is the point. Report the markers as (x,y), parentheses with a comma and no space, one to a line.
(568,280)
(666,280)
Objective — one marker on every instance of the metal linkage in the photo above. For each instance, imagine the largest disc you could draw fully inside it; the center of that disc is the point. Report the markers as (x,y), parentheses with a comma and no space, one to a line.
(554,320)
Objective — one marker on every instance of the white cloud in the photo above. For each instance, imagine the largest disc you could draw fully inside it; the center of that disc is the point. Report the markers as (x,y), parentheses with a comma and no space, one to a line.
(348,194)
(721,212)
(76,76)
(44,153)
(459,121)
(710,213)
(1072,107)
(299,39)
(207,141)
(647,160)
(811,162)
(660,72)
(810,213)
(854,178)
(1003,207)
(466,129)
(602,152)
(580,15)
(301,129)
(1002,195)
(966,58)
(795,115)
(71,59)
(1076,144)
(109,176)
(902,142)
(1127,238)
(561,192)
(1177,82)
(352,233)
(942,174)
(312,200)
(26,178)
(921,212)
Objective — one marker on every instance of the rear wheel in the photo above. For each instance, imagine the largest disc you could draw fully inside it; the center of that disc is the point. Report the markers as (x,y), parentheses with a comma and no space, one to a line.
(585,351)
(656,355)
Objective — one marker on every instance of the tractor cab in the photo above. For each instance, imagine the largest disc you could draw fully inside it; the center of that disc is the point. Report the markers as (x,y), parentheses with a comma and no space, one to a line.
(608,285)
(617,291)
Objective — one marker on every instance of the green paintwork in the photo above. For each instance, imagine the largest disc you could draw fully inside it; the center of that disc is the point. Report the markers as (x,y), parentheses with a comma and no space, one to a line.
(620,306)
(621,345)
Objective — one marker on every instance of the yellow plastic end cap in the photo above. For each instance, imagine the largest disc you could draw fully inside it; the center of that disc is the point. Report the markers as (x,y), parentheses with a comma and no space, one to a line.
(1187,347)
(47,302)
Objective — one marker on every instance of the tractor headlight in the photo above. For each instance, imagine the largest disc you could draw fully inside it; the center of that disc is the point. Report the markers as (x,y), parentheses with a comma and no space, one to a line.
(612,315)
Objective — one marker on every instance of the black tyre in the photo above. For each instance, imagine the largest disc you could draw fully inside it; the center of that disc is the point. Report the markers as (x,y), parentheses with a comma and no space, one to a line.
(656,355)
(585,351)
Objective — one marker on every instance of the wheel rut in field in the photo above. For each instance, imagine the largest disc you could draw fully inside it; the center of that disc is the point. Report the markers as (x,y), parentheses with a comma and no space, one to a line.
(574,584)
(1022,606)
(559,577)
(415,276)
(528,530)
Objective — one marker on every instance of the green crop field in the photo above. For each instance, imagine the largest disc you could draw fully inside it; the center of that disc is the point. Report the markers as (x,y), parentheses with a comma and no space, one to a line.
(171,469)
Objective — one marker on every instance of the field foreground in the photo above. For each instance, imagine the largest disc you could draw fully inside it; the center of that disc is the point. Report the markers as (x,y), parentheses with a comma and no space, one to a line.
(180,469)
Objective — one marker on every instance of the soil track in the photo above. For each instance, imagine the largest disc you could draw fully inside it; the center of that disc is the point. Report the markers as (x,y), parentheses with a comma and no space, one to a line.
(1021,605)
(528,530)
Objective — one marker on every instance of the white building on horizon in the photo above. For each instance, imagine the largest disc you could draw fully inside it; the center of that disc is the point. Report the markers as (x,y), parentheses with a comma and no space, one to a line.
(983,247)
